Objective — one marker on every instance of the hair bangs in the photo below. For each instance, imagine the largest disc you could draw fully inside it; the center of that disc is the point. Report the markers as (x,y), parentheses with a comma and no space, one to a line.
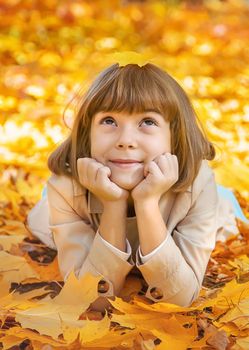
(134,90)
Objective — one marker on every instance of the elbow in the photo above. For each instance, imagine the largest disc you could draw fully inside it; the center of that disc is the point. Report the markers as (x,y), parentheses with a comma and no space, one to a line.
(184,298)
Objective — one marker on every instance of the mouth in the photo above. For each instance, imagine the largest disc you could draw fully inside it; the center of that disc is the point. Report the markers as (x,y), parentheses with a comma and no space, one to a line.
(125,163)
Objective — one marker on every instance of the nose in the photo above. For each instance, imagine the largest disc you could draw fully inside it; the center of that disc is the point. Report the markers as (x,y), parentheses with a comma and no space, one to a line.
(126,139)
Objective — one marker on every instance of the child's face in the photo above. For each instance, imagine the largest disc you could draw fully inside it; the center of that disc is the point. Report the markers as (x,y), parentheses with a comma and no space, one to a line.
(121,136)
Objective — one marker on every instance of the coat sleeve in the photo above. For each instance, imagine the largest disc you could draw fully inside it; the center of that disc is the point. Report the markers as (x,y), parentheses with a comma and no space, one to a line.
(124,255)
(180,262)
(80,248)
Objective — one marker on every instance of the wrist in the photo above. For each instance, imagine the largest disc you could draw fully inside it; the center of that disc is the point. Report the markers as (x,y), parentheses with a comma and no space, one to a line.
(115,205)
(146,202)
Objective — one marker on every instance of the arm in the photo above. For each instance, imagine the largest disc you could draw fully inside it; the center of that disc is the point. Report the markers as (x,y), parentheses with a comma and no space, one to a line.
(112,231)
(78,246)
(148,217)
(113,224)
(178,267)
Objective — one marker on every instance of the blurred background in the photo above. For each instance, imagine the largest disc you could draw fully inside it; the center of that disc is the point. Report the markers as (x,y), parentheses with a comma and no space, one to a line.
(51,50)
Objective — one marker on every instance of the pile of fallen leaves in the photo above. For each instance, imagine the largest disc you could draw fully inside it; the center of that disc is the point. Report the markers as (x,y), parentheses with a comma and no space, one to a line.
(50,51)
(38,311)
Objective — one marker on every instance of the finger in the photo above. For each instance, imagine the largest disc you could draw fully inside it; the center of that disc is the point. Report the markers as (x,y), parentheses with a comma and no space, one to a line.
(153,169)
(168,164)
(176,164)
(105,183)
(93,169)
(146,169)
(82,165)
(172,167)
(164,164)
(102,176)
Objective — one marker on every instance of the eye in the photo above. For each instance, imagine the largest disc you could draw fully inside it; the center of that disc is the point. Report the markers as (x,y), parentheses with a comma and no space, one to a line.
(108,120)
(150,120)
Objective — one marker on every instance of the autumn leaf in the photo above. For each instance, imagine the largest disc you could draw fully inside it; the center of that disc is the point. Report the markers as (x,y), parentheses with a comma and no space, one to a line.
(50,51)
(15,268)
(129,57)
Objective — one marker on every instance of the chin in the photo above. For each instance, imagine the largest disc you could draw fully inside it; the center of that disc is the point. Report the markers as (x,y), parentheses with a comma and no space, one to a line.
(126,179)
(126,184)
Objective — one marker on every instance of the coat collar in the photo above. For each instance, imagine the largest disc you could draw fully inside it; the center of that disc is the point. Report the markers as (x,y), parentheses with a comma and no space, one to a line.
(95,206)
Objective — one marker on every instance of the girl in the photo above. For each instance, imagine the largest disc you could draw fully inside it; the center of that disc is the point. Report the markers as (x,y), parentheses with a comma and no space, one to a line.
(131,189)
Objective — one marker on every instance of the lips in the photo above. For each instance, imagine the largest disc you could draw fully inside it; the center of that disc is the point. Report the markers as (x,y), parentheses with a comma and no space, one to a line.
(125,163)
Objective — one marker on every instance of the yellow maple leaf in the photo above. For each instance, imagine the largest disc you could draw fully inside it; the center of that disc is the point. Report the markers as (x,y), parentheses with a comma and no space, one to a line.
(129,57)
(15,268)
(7,241)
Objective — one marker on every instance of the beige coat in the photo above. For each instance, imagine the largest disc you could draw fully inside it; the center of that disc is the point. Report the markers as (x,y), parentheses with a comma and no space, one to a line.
(67,219)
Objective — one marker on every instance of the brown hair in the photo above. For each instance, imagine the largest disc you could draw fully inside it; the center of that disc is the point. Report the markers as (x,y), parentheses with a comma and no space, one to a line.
(134,89)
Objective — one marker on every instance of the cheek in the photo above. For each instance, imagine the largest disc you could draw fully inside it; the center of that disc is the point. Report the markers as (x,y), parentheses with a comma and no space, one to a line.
(98,148)
(96,139)
(164,145)
(157,148)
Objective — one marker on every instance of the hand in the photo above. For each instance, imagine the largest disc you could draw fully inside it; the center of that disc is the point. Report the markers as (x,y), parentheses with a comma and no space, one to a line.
(95,177)
(160,174)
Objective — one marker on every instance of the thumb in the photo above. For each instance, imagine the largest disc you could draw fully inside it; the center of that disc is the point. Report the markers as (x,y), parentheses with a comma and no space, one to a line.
(107,171)
(116,190)
(147,168)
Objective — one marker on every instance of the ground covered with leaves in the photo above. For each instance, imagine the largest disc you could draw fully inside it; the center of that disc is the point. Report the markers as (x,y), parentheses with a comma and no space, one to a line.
(49,52)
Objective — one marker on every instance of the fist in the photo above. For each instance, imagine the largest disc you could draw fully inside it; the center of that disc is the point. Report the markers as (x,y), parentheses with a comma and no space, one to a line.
(95,177)
(160,174)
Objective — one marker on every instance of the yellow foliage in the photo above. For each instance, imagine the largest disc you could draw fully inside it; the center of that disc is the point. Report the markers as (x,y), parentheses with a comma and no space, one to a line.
(50,49)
